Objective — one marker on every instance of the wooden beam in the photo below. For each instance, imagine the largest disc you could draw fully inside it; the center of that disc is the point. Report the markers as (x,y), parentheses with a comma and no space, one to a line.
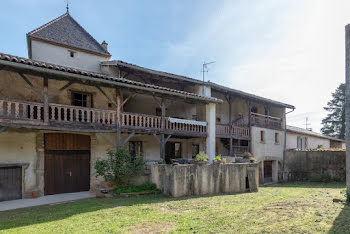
(159,103)
(128,138)
(157,138)
(3,129)
(128,98)
(31,85)
(166,139)
(107,139)
(61,89)
(104,94)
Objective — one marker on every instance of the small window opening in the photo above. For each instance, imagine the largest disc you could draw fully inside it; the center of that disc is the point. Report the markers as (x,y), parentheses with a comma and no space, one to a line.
(277,138)
(71,53)
(262,136)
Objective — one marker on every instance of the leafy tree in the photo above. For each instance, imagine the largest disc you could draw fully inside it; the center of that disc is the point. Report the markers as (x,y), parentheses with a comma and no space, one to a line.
(120,168)
(334,123)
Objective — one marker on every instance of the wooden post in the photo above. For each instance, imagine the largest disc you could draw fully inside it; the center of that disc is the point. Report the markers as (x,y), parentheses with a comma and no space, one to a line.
(162,140)
(249,124)
(46,100)
(119,127)
(230,122)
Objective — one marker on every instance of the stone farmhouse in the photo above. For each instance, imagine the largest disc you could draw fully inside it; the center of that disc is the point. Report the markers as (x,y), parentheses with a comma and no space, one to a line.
(68,103)
(302,139)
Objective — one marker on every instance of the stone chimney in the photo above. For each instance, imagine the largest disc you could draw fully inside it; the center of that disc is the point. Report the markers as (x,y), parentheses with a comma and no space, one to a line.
(104,44)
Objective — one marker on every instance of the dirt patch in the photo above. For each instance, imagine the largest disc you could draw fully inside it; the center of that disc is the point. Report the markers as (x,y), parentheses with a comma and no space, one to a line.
(149,227)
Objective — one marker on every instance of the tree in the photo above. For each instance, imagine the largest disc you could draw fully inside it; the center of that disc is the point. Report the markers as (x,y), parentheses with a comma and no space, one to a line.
(334,123)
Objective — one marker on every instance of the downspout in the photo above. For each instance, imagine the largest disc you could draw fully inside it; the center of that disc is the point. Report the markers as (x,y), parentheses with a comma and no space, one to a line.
(285,140)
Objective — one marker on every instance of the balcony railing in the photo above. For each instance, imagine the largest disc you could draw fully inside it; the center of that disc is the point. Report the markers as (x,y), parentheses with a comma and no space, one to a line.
(239,150)
(23,112)
(171,125)
(265,121)
(224,131)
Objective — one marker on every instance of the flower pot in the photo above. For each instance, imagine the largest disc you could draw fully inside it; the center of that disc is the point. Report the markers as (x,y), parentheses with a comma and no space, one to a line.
(217,161)
(201,162)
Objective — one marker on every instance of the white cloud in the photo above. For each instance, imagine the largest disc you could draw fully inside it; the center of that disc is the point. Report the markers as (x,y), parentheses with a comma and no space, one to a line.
(290,51)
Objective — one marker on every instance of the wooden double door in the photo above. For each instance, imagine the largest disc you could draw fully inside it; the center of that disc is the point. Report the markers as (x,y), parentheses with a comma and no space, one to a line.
(67,163)
(10,183)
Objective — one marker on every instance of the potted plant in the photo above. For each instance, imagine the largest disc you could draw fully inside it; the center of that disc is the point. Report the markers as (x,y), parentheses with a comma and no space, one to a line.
(201,158)
(161,161)
(217,159)
(248,157)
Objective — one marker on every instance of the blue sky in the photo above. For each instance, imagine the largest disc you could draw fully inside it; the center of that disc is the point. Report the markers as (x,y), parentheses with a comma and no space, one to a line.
(291,51)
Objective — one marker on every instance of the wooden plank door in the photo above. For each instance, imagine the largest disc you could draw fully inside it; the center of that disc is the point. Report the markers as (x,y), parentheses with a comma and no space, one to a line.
(267,171)
(67,163)
(10,183)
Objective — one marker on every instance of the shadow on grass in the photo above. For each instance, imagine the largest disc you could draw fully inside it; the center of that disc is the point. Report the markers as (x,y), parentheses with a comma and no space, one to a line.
(341,224)
(48,213)
(300,184)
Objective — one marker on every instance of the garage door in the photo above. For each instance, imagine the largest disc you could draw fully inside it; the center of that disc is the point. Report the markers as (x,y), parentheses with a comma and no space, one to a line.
(10,183)
(67,163)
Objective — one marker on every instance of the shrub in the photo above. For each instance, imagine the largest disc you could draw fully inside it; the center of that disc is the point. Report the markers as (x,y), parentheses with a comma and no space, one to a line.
(201,157)
(320,178)
(217,158)
(337,179)
(136,188)
(120,168)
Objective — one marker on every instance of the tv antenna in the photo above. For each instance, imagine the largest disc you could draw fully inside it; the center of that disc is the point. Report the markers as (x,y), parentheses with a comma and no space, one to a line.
(307,124)
(205,68)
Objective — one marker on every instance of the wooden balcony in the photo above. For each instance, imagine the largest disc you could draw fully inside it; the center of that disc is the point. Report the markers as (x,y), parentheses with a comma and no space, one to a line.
(239,150)
(31,114)
(266,121)
(150,123)
(225,131)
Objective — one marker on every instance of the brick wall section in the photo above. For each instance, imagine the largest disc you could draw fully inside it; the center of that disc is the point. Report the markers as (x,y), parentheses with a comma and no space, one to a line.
(304,164)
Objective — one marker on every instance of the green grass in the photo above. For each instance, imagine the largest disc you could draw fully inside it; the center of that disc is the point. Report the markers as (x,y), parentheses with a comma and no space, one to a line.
(288,208)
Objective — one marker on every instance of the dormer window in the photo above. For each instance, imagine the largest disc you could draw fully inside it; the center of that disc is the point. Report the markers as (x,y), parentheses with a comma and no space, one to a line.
(71,53)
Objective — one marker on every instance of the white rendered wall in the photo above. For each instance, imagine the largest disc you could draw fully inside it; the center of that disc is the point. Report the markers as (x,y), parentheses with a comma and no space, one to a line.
(313,141)
(49,53)
(268,148)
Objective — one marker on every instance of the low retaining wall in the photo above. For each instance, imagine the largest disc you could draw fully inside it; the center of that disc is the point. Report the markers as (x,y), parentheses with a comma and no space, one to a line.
(185,180)
(302,165)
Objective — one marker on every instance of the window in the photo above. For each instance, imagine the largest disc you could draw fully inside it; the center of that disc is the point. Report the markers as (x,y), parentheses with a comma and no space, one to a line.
(218,119)
(158,112)
(277,138)
(135,148)
(262,136)
(299,143)
(254,109)
(71,53)
(195,150)
(172,151)
(81,99)
(306,142)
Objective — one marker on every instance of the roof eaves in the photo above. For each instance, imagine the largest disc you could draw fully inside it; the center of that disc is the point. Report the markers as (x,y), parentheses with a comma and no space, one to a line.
(62,70)
(252,96)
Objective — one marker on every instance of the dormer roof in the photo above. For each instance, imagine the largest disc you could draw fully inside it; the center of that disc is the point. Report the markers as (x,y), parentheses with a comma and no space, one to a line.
(65,31)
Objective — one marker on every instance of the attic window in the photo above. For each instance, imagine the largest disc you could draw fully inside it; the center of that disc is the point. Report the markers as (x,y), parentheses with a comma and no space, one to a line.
(71,53)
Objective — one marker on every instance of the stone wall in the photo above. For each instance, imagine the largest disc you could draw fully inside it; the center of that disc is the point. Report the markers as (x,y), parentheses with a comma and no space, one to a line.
(211,179)
(302,165)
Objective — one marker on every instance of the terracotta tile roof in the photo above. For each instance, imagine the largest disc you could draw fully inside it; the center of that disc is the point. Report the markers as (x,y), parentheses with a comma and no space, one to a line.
(65,30)
(196,81)
(54,67)
(311,133)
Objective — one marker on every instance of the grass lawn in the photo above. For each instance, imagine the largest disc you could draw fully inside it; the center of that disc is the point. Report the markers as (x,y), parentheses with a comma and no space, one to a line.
(286,208)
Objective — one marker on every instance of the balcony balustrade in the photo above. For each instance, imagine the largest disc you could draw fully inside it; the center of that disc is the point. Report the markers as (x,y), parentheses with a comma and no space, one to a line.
(31,113)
